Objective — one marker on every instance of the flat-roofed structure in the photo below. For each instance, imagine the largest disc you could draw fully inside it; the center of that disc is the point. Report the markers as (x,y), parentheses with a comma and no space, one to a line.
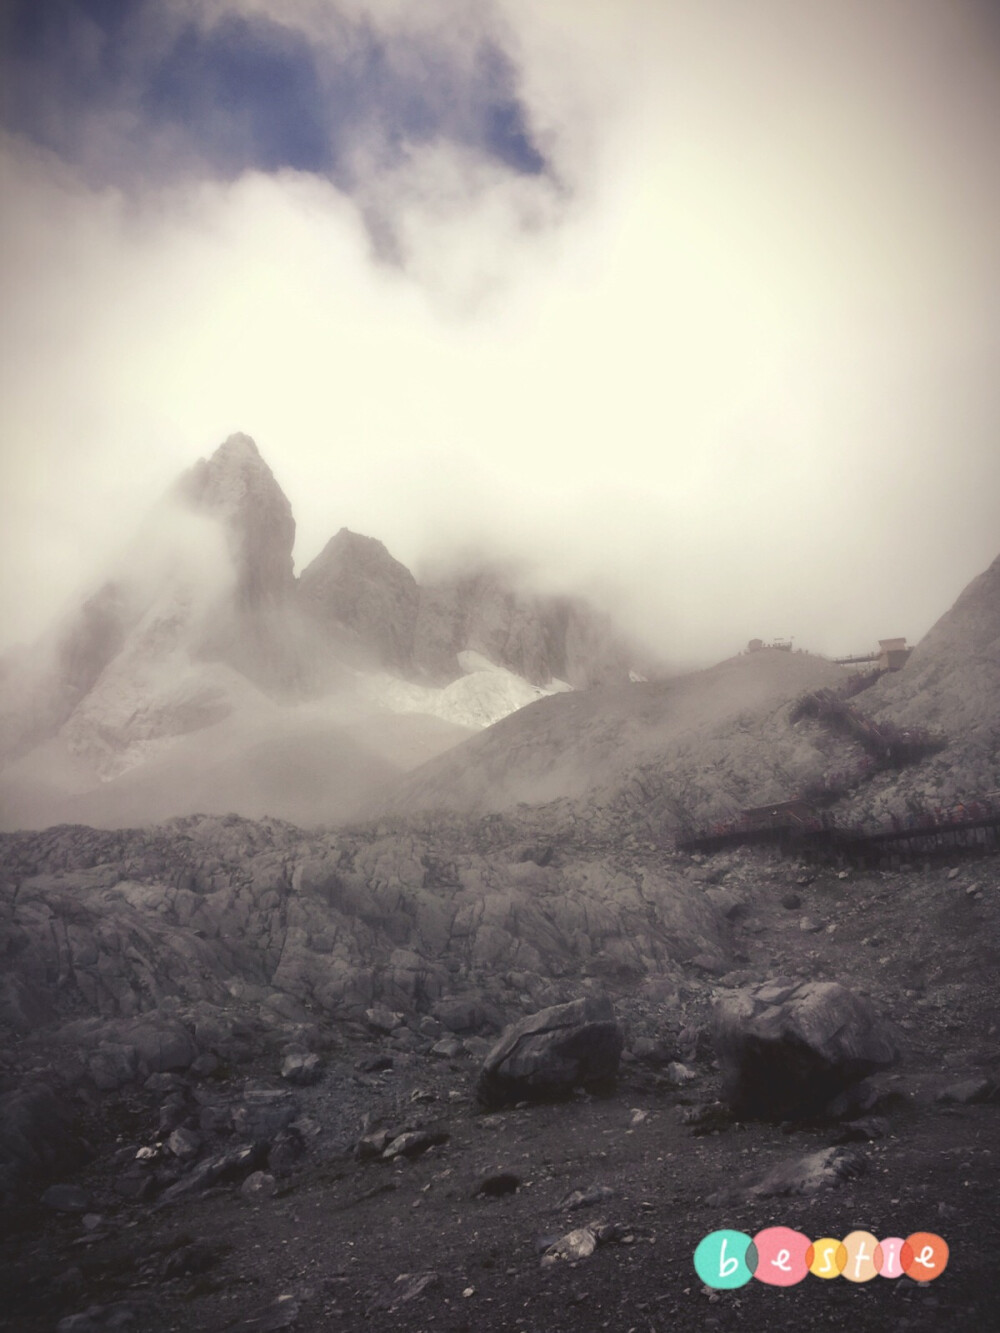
(892,654)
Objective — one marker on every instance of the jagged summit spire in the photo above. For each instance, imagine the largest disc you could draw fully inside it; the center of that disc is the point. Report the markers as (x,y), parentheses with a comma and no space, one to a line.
(236,485)
(238,445)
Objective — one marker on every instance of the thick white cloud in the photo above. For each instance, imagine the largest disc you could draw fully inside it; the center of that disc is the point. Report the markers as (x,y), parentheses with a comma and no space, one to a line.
(738,376)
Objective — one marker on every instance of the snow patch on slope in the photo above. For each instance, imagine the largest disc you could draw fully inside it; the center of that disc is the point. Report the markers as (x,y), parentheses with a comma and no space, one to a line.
(484,695)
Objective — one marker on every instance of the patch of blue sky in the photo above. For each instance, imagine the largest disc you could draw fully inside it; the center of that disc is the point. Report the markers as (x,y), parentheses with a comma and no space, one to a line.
(249,93)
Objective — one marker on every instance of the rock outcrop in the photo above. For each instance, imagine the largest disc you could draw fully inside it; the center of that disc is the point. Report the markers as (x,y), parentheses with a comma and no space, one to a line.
(549,1054)
(238,488)
(788,1048)
(356,592)
(539,638)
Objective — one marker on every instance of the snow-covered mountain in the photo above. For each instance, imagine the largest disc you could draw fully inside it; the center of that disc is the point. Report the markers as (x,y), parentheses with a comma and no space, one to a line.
(202,652)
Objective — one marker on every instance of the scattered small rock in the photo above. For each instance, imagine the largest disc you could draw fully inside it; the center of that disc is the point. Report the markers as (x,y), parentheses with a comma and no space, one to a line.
(384,1020)
(195,1257)
(231,1166)
(575,1245)
(408,1287)
(413,1143)
(448,1048)
(284,1151)
(584,1198)
(258,1185)
(281,1313)
(654,1050)
(806,1175)
(579,1244)
(864,1130)
(373,1064)
(679,1074)
(372,1145)
(100,1319)
(302,1070)
(968,1091)
(184,1143)
(165,1083)
(706,1118)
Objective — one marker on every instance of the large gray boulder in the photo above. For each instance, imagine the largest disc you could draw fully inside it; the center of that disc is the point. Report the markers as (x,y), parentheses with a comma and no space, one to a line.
(549,1054)
(788,1048)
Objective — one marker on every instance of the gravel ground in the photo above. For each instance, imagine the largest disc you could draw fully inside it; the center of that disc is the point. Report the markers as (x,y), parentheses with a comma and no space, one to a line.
(347,1244)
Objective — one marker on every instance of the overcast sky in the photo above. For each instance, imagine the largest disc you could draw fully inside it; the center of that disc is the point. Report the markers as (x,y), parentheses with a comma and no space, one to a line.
(691,303)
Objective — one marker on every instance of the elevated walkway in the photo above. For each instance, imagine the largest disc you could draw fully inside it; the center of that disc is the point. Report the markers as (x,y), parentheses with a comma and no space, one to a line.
(973,826)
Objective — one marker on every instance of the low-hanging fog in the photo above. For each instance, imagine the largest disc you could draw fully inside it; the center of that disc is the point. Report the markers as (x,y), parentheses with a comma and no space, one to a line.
(702,319)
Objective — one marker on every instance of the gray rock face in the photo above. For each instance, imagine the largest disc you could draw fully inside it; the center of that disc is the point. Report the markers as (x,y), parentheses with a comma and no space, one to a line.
(354,584)
(536,637)
(40,687)
(237,486)
(356,588)
(787,1049)
(253,628)
(553,1052)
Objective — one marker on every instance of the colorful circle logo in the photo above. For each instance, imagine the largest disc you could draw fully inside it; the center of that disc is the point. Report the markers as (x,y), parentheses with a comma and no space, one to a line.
(889,1257)
(826,1258)
(721,1260)
(781,1257)
(860,1265)
(927,1257)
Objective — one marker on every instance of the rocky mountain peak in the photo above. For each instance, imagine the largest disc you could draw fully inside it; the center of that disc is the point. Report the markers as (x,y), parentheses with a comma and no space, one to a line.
(354,584)
(239,488)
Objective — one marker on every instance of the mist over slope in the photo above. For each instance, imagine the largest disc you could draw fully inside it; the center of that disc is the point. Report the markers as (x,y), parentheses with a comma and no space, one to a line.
(950,684)
(698,748)
(716,737)
(202,675)
(952,679)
